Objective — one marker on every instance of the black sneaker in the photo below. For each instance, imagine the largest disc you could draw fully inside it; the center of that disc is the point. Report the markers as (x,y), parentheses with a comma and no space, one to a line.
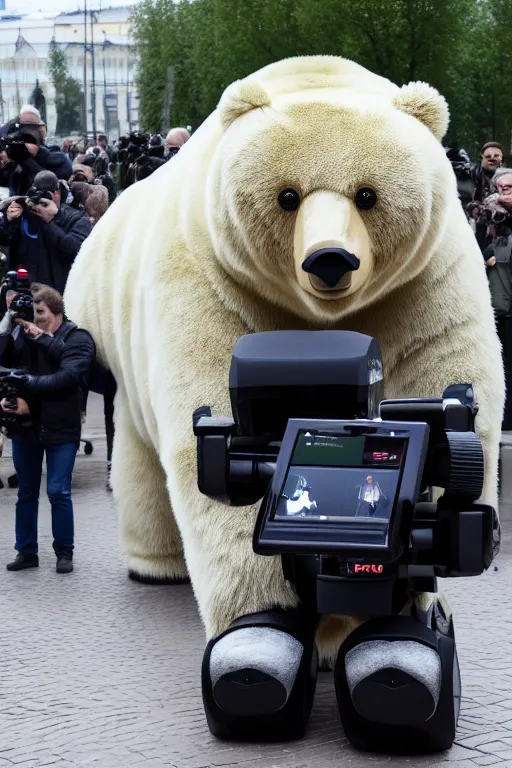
(64,562)
(22,561)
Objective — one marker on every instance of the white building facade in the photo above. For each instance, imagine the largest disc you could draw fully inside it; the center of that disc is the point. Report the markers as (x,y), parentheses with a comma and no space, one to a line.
(107,65)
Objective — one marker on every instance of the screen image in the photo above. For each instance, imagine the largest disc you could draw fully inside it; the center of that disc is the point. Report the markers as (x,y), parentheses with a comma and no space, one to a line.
(328,449)
(328,494)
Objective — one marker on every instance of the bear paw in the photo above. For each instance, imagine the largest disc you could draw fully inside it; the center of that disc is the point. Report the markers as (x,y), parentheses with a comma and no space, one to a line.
(158,570)
(396,683)
(253,670)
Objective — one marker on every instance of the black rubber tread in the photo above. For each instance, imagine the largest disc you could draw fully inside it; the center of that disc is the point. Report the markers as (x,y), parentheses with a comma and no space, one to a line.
(393,697)
(249,692)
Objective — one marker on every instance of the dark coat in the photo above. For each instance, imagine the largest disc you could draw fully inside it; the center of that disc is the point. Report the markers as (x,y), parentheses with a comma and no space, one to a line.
(19,178)
(47,251)
(500,275)
(59,366)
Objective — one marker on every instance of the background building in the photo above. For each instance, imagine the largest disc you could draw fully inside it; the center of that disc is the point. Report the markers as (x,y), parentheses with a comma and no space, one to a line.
(111,97)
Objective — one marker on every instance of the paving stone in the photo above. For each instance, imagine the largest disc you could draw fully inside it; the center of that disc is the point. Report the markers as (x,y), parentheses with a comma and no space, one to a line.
(99,671)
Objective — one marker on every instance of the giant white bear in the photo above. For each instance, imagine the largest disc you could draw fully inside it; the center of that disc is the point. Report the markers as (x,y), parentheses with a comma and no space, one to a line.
(304,154)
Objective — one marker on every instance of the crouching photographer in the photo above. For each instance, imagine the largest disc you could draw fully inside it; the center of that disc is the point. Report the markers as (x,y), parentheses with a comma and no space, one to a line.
(46,365)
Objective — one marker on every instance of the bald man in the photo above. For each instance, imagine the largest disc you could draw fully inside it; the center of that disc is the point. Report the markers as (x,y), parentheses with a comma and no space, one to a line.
(175,140)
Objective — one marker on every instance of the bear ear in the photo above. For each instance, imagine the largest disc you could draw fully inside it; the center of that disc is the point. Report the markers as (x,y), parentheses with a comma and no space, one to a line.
(241,97)
(423,102)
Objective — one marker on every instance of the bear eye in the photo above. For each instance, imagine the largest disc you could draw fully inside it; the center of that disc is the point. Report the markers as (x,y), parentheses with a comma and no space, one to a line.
(289,199)
(365,198)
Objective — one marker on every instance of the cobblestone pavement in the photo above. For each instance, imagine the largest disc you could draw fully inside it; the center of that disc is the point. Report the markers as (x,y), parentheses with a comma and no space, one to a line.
(99,671)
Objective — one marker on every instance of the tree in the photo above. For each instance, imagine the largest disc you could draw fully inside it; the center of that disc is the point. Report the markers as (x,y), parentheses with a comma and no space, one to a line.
(153,24)
(461,47)
(69,99)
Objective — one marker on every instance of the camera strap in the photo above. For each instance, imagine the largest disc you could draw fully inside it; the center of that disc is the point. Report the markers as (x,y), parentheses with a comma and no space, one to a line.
(25,229)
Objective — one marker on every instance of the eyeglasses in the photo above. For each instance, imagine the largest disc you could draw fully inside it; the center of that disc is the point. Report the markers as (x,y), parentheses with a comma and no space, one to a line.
(505,187)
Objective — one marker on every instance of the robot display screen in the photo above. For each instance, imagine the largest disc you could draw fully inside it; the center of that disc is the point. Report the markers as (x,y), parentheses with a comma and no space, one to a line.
(340,478)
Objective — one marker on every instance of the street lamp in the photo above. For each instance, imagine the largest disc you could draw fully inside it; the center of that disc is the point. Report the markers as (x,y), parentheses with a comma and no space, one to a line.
(85,73)
(93,87)
(105,111)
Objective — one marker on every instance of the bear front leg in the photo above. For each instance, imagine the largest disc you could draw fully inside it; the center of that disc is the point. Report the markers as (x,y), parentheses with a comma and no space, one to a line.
(229,580)
(148,530)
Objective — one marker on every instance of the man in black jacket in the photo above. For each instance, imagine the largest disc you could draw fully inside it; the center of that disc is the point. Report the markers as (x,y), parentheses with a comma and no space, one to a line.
(51,360)
(491,158)
(44,238)
(26,154)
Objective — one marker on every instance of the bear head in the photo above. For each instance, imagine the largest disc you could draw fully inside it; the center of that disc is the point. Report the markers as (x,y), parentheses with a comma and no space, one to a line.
(329,186)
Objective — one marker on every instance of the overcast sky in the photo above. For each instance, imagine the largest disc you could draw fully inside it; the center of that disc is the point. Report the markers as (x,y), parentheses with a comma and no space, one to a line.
(32,6)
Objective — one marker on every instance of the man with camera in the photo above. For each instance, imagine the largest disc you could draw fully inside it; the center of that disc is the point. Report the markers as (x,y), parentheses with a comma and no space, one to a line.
(174,141)
(496,216)
(22,154)
(47,364)
(44,235)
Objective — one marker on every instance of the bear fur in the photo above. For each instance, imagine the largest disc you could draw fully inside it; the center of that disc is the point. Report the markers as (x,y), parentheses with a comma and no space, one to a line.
(201,253)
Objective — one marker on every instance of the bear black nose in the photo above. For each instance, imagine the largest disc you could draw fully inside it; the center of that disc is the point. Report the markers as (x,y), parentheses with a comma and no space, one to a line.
(330,264)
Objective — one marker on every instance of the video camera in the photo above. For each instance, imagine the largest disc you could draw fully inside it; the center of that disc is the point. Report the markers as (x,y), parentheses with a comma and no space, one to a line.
(346,476)
(22,305)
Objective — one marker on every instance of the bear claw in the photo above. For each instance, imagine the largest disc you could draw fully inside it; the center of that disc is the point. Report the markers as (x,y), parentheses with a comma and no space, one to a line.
(158,580)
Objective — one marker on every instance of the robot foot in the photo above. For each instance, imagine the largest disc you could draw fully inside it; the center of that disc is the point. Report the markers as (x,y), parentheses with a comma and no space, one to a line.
(398,685)
(259,677)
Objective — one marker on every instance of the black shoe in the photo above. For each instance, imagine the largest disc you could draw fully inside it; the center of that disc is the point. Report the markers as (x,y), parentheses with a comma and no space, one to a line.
(12,481)
(22,561)
(64,562)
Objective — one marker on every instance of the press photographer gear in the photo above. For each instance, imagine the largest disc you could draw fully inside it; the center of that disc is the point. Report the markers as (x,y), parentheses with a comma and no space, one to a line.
(18,136)
(345,477)
(22,305)
(11,386)
(35,195)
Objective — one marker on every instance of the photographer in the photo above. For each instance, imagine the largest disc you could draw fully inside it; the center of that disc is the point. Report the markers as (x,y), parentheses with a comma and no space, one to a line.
(23,155)
(174,140)
(44,235)
(51,360)
(496,210)
(139,156)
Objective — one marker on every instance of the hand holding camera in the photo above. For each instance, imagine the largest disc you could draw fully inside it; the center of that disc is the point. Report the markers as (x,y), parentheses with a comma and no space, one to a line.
(14,211)
(21,408)
(45,209)
(14,410)
(17,151)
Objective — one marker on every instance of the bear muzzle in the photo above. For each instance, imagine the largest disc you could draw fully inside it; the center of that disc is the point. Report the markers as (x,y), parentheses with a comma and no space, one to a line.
(330,269)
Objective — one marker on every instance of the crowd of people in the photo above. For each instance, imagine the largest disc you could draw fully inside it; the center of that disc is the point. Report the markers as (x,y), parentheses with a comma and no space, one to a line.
(57,194)
(485,191)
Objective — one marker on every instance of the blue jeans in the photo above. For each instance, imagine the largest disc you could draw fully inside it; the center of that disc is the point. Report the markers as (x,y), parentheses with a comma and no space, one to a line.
(28,462)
